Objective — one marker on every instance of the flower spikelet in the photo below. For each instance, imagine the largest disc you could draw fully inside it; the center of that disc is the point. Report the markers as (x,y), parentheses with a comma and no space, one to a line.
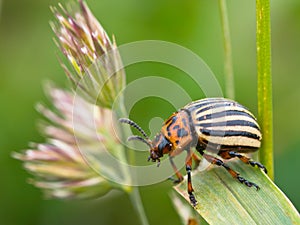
(69,164)
(97,72)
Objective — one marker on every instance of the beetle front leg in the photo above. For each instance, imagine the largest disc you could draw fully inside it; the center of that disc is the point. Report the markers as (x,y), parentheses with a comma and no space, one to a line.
(188,167)
(178,174)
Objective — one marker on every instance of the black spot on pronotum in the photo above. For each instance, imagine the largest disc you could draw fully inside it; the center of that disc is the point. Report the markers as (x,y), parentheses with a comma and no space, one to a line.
(175,127)
(182,132)
(172,121)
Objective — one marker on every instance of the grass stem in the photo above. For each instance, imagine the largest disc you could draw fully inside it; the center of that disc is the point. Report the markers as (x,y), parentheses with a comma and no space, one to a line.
(228,66)
(134,193)
(137,203)
(264,91)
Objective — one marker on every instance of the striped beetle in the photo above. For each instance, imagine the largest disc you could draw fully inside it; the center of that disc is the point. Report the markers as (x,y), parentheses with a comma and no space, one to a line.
(211,125)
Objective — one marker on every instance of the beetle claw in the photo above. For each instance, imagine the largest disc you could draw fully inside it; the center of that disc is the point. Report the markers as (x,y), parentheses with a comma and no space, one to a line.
(158,162)
(174,180)
(193,200)
(248,183)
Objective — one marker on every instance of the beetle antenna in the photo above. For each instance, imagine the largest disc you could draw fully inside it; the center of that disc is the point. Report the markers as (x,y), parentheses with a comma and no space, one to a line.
(134,124)
(139,138)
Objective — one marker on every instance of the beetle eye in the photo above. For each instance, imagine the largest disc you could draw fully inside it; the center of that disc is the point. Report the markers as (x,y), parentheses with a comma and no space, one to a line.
(160,147)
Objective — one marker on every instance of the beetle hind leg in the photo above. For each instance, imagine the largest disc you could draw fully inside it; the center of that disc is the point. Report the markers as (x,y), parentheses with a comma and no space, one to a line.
(233,173)
(232,154)
(246,182)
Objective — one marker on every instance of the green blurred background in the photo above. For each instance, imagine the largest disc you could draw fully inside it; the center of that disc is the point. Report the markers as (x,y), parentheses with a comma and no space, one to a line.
(28,59)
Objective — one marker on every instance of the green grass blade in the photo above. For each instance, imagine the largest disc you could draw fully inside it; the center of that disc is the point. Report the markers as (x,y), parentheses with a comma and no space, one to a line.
(223,200)
(264,83)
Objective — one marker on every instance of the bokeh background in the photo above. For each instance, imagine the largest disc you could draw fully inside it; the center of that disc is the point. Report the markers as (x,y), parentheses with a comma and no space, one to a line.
(28,59)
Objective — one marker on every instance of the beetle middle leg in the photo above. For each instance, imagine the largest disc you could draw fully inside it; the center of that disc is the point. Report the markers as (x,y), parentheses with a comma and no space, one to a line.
(196,159)
(232,154)
(233,173)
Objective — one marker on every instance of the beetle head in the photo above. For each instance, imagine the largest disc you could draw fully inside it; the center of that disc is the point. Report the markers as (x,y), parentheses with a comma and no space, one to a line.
(158,147)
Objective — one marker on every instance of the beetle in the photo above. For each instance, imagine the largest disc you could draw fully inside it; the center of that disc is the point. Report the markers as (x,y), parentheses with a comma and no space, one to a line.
(213,126)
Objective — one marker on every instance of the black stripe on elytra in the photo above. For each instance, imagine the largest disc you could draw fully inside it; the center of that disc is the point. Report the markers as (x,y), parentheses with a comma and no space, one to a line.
(199,105)
(228,133)
(223,114)
(205,145)
(219,105)
(231,123)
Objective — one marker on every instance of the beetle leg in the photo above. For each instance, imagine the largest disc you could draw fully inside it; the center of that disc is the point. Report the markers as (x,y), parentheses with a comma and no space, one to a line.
(232,154)
(178,174)
(188,167)
(233,173)
(196,159)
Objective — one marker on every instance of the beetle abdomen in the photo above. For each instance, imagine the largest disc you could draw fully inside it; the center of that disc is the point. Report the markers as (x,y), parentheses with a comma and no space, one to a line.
(225,124)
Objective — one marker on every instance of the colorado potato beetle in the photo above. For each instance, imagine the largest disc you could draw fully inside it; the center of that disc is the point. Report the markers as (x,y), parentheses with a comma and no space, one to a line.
(212,125)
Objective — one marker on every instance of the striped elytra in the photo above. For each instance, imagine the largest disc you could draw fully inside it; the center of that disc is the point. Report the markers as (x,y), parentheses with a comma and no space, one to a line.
(225,123)
(211,125)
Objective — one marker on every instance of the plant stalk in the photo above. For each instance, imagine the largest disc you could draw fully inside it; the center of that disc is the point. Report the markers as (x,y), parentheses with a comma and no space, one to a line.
(137,203)
(264,91)
(228,66)
(134,194)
